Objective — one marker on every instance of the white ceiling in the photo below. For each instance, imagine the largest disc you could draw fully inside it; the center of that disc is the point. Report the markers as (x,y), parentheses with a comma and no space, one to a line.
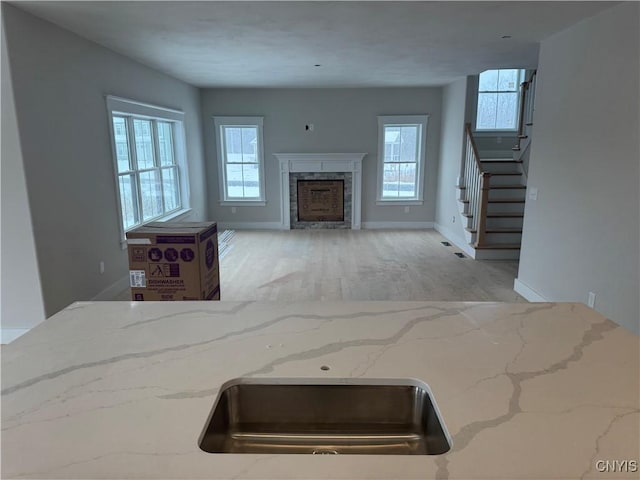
(277,44)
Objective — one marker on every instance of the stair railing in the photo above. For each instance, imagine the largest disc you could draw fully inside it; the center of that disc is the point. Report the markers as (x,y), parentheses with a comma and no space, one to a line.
(525,116)
(476,187)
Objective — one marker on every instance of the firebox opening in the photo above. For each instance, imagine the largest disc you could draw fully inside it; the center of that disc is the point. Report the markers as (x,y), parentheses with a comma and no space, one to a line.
(320,200)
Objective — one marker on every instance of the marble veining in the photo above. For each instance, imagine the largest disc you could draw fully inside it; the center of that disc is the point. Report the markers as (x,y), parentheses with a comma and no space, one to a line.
(123,390)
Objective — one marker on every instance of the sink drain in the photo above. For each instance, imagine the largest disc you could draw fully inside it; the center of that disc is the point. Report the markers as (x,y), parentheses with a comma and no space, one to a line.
(324,451)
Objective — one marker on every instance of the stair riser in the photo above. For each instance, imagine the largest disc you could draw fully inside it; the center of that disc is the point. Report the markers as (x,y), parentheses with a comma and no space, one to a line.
(503,238)
(507,193)
(506,208)
(506,179)
(498,238)
(497,254)
(495,208)
(499,167)
(504,222)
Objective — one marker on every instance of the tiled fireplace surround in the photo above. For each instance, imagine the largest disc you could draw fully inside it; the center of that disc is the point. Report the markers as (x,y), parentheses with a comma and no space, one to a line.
(320,166)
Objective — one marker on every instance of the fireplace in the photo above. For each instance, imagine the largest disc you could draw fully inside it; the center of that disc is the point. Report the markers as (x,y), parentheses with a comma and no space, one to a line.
(320,200)
(322,175)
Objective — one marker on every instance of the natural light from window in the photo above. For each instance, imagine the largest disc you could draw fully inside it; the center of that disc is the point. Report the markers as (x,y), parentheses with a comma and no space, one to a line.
(240,160)
(498,94)
(400,161)
(401,144)
(147,170)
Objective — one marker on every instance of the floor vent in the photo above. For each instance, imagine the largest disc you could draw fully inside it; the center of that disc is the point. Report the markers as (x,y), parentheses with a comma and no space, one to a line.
(446,244)
(459,255)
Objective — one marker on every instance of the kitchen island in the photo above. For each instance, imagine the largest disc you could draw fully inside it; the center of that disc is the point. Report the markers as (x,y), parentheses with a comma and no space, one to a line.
(123,390)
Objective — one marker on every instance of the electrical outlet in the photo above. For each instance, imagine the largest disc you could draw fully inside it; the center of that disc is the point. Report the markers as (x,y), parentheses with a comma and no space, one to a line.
(533,193)
(407,209)
(101,267)
(233,209)
(591,301)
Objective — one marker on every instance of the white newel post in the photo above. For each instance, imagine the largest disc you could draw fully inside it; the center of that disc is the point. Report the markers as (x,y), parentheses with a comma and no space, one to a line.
(321,162)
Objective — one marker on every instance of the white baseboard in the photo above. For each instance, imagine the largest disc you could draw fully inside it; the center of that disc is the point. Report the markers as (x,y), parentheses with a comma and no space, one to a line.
(527,292)
(459,242)
(397,225)
(112,291)
(8,335)
(249,226)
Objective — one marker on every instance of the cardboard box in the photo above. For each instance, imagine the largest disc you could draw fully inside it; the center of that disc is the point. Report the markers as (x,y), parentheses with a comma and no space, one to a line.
(174,261)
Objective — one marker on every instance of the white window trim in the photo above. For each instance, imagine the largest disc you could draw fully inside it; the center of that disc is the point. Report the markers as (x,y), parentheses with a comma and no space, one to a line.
(421,120)
(220,121)
(127,107)
(501,132)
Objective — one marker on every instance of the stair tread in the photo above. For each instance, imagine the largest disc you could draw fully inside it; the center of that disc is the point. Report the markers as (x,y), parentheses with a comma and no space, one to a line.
(505,215)
(505,173)
(497,230)
(501,200)
(497,160)
(507,187)
(499,187)
(507,200)
(498,215)
(498,246)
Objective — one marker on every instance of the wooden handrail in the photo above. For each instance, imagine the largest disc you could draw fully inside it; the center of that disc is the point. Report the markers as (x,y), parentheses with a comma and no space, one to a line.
(533,74)
(483,207)
(524,87)
(523,102)
(467,127)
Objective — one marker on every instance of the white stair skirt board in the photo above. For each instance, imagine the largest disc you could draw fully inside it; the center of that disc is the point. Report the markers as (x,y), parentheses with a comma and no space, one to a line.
(457,241)
(398,225)
(527,292)
(8,335)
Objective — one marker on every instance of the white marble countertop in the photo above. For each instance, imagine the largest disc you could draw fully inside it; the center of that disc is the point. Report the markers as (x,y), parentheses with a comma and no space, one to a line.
(123,390)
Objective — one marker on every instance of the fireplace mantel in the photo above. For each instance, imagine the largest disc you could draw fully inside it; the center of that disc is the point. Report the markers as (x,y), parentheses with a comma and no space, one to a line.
(320,162)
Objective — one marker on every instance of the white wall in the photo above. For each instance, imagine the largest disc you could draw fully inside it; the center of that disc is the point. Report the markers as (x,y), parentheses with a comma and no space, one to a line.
(60,81)
(345,120)
(582,234)
(21,301)
(451,152)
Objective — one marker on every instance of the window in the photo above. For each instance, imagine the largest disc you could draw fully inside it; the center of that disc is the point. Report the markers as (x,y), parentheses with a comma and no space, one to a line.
(240,160)
(401,153)
(498,95)
(149,161)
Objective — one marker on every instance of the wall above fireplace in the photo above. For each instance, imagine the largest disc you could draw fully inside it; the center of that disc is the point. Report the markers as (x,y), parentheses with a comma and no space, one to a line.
(315,163)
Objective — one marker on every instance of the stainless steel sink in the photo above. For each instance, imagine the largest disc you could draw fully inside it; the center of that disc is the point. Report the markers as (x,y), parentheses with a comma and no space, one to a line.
(325,416)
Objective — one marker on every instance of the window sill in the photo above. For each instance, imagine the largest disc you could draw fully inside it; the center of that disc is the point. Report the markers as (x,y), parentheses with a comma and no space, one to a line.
(243,203)
(174,216)
(399,203)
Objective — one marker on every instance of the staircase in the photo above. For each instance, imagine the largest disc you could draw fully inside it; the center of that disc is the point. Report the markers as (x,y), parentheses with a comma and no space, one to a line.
(505,200)
(492,191)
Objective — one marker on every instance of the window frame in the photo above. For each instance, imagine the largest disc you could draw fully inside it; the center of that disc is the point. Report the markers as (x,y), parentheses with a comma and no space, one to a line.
(421,143)
(497,131)
(221,122)
(133,110)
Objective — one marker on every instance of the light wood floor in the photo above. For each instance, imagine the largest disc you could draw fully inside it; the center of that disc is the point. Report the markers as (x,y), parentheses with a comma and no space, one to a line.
(358,265)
